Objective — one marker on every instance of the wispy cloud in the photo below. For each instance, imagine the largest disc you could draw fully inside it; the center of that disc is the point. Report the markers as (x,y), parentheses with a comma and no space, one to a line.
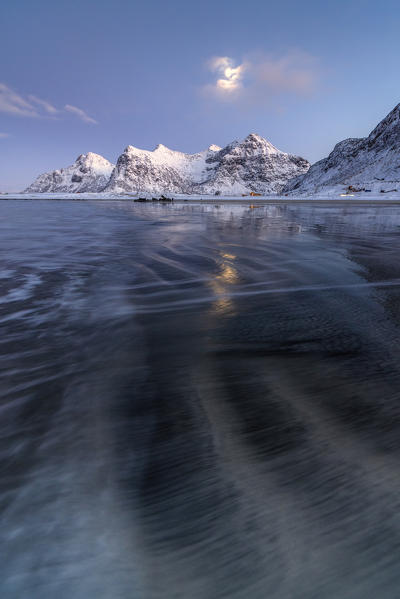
(262,76)
(80,114)
(4,135)
(46,106)
(31,106)
(13,103)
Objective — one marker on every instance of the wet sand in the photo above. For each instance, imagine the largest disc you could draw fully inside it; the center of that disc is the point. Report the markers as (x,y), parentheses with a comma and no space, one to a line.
(199,402)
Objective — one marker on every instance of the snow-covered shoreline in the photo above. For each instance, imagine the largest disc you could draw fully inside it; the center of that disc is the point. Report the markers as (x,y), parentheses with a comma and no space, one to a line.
(329,196)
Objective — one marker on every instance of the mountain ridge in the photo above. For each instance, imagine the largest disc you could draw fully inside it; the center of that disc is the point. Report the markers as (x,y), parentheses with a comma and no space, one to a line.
(251,164)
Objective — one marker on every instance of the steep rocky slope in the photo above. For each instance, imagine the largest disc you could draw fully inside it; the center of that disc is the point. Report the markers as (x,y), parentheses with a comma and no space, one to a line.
(361,162)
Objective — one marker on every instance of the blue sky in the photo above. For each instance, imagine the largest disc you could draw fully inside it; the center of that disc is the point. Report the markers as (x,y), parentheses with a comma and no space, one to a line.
(97,76)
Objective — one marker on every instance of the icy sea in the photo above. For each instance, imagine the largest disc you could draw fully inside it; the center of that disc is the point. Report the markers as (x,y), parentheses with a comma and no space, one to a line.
(199,401)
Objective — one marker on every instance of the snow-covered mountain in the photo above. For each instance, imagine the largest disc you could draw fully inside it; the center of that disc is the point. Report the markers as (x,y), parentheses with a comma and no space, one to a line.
(365,162)
(90,172)
(242,166)
(160,170)
(252,164)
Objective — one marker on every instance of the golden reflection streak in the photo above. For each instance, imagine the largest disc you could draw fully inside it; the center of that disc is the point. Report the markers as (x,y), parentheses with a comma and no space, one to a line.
(229,256)
(220,284)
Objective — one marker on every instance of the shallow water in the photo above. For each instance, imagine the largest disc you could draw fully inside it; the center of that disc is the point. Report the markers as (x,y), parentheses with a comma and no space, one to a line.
(199,402)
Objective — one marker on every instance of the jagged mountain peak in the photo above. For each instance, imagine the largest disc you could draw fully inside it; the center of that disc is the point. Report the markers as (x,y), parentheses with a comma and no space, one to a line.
(160,152)
(387,132)
(131,148)
(90,172)
(92,159)
(255,138)
(358,162)
(162,148)
(390,120)
(255,144)
(252,164)
(90,156)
